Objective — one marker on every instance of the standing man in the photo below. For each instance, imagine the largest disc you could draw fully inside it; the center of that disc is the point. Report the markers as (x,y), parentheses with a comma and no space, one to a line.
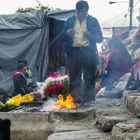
(81,33)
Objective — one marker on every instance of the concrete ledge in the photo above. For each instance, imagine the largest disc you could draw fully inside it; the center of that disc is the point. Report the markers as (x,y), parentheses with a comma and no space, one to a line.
(25,116)
(28,126)
(73,115)
(29,130)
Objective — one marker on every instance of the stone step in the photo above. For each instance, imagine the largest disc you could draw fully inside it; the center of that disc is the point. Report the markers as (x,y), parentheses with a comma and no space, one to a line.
(58,125)
(106,123)
(132,101)
(75,125)
(73,114)
(37,125)
(106,118)
(112,110)
(71,126)
(72,120)
(64,124)
(89,134)
(126,130)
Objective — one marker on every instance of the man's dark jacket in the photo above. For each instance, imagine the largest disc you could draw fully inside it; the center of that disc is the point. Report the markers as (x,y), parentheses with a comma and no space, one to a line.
(92,26)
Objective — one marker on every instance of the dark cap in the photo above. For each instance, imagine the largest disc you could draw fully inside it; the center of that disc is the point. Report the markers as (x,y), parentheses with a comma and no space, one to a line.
(82,5)
(22,62)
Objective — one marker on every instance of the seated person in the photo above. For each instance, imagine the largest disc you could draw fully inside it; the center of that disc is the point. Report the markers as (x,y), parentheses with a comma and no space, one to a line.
(134,81)
(119,63)
(23,83)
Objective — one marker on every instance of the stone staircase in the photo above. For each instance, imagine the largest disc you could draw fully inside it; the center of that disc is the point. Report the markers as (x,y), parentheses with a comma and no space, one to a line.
(105,121)
(75,125)
(123,122)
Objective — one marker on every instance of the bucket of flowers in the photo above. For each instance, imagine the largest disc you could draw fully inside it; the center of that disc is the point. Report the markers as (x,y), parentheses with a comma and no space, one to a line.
(55,84)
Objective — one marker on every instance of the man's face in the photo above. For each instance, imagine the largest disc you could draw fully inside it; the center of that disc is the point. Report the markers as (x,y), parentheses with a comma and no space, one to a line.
(24,69)
(81,14)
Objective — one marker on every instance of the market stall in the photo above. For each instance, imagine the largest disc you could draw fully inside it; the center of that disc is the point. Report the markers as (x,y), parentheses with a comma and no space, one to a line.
(52,94)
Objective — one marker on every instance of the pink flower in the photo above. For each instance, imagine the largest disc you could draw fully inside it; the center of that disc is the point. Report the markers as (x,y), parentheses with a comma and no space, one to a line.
(54,75)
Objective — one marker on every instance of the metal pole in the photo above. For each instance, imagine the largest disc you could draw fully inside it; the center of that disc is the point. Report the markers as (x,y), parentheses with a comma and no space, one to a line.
(131,2)
(131,13)
(138,17)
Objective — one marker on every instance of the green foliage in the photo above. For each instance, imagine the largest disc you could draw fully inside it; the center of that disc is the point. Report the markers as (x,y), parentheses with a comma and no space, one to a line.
(6,108)
(29,9)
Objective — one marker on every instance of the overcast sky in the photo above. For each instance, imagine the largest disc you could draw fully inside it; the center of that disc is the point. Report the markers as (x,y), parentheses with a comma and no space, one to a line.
(101,9)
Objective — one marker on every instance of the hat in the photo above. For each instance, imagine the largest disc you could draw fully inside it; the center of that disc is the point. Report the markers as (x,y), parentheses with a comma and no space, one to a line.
(22,62)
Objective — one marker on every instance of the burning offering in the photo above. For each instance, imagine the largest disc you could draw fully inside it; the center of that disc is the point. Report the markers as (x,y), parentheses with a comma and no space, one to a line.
(65,103)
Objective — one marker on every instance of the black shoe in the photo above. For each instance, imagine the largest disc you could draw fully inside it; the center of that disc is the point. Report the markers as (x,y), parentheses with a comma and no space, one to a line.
(89,104)
(77,100)
(132,87)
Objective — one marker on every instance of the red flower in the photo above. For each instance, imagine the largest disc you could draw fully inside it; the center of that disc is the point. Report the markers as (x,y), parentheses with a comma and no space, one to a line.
(55,88)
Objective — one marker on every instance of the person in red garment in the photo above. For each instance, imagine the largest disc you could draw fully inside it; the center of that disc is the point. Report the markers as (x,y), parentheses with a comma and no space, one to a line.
(134,81)
(119,63)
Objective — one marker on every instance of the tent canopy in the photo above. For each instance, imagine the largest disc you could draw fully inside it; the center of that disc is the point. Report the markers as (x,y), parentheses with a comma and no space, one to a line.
(26,36)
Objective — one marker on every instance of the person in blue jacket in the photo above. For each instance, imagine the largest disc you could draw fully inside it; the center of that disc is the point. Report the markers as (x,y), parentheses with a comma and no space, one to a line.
(81,32)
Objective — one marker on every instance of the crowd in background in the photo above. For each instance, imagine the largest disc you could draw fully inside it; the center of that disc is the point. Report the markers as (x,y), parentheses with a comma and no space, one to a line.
(118,58)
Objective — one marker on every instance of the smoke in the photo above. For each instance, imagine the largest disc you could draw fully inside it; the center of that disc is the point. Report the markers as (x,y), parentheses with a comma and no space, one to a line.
(49,105)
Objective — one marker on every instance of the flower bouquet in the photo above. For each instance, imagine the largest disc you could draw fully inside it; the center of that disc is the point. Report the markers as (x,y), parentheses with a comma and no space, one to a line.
(55,84)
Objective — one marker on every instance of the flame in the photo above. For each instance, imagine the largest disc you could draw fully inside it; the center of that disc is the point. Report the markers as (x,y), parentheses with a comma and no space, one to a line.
(68,103)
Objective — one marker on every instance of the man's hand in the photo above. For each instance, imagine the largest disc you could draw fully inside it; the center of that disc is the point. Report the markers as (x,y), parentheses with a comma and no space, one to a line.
(87,35)
(70,32)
